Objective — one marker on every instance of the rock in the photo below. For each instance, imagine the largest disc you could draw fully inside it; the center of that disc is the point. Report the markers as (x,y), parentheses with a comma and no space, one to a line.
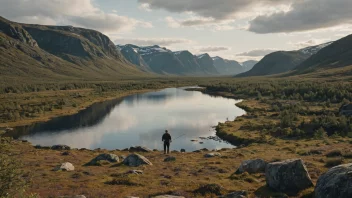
(168,196)
(183,150)
(103,157)
(170,159)
(336,182)
(252,166)
(65,153)
(139,149)
(155,150)
(237,194)
(209,155)
(197,151)
(209,189)
(24,141)
(60,147)
(136,160)
(135,172)
(290,176)
(67,166)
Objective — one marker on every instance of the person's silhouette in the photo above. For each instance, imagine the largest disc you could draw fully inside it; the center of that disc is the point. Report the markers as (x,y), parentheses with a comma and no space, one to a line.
(167,140)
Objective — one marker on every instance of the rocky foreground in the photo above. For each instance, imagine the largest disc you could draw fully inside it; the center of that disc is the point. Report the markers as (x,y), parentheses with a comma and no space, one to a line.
(286,168)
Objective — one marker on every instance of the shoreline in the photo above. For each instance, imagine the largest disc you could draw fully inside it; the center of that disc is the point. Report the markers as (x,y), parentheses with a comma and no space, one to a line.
(72,110)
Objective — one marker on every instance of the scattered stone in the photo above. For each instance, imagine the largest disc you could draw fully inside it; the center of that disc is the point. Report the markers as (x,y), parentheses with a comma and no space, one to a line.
(204,149)
(42,147)
(289,176)
(67,166)
(168,196)
(336,182)
(209,189)
(194,140)
(136,160)
(24,141)
(197,151)
(201,142)
(135,172)
(155,150)
(60,147)
(237,194)
(139,149)
(252,166)
(65,153)
(103,157)
(183,150)
(170,159)
(209,155)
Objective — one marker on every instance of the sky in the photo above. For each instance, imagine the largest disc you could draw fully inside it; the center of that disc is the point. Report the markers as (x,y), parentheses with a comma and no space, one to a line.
(233,29)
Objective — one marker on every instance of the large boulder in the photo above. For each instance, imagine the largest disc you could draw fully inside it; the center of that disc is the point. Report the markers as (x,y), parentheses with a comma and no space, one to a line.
(252,166)
(136,160)
(67,166)
(139,149)
(60,147)
(336,183)
(290,176)
(103,157)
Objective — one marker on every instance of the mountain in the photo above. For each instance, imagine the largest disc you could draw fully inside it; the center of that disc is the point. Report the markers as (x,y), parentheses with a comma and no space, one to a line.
(248,65)
(56,52)
(190,62)
(207,64)
(227,67)
(283,61)
(130,52)
(336,55)
(161,60)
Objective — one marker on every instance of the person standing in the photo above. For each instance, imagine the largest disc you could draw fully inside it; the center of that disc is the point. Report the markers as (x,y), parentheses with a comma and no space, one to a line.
(167,140)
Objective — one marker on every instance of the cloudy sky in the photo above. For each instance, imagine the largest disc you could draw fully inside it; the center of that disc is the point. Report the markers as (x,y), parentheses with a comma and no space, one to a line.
(233,29)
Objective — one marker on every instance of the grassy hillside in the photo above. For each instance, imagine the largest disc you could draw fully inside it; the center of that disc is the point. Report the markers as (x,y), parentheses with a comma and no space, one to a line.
(54,52)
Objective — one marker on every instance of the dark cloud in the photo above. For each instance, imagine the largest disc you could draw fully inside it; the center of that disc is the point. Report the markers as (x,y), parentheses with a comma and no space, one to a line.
(305,15)
(257,52)
(216,9)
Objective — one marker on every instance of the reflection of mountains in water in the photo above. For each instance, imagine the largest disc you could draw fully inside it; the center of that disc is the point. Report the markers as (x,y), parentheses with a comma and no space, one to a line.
(85,118)
(158,97)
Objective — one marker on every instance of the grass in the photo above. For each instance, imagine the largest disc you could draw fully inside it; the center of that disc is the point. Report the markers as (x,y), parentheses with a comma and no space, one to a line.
(334,162)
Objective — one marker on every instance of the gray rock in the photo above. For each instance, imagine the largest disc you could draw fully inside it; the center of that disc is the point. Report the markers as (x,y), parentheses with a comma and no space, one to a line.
(237,194)
(290,176)
(170,159)
(67,166)
(252,166)
(336,182)
(135,172)
(60,147)
(183,150)
(139,149)
(168,196)
(103,157)
(209,155)
(65,153)
(136,160)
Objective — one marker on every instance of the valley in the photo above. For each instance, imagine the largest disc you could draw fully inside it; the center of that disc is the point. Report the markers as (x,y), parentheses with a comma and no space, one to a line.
(290,109)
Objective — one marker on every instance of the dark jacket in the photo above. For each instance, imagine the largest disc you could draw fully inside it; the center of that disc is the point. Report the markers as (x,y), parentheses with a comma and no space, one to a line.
(166,138)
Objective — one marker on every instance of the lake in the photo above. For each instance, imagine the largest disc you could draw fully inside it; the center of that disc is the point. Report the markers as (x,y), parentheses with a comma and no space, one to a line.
(140,120)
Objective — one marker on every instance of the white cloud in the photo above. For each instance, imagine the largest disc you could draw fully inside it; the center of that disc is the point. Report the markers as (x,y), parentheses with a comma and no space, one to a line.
(213,48)
(145,7)
(200,23)
(257,52)
(81,13)
(152,41)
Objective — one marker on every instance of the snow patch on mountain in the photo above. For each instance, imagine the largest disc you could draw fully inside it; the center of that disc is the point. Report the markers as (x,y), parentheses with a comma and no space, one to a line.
(314,49)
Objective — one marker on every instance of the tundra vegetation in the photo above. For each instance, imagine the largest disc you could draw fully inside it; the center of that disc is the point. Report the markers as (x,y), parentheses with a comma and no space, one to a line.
(286,119)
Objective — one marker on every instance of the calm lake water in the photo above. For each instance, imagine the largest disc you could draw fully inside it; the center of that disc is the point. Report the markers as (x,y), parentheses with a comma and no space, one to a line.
(139,120)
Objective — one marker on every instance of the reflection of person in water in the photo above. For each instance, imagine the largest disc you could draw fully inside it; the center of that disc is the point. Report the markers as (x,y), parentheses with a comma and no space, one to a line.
(167,140)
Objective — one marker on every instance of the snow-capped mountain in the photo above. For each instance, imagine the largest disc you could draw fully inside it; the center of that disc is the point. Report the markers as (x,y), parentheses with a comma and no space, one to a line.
(314,49)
